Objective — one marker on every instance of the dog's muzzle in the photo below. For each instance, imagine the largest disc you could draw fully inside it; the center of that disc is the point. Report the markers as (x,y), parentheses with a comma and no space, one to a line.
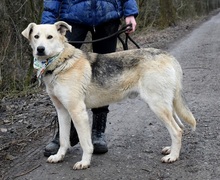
(40,50)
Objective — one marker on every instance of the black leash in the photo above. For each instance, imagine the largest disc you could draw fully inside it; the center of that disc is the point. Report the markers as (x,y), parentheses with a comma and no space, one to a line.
(118,33)
(125,43)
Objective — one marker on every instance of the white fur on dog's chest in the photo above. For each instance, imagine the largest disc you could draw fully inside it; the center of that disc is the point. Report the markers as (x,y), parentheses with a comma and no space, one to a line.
(50,83)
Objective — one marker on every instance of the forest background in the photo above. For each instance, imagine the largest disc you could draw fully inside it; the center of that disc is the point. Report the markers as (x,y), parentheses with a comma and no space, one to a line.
(16,68)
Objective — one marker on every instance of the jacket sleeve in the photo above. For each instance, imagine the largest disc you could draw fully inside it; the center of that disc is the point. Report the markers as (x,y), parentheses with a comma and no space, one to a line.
(130,8)
(51,11)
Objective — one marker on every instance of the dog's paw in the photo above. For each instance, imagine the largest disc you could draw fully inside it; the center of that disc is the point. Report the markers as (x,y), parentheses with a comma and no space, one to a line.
(81,165)
(169,158)
(166,150)
(55,158)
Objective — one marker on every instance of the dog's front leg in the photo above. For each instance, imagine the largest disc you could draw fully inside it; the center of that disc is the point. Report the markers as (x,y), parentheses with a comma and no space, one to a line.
(64,130)
(81,121)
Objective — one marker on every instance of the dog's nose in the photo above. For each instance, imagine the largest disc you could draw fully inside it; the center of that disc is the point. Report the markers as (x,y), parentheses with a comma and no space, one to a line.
(40,49)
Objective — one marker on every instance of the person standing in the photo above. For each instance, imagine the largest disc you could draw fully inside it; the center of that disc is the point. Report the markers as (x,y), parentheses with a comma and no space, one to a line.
(102,18)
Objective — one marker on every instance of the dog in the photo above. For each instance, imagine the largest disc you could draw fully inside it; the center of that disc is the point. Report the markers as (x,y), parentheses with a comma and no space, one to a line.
(77,80)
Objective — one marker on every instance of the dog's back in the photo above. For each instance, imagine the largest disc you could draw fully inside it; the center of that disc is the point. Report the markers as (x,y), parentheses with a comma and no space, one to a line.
(147,72)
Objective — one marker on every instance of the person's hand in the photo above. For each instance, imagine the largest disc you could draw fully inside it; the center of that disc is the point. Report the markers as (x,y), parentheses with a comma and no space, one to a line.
(131,20)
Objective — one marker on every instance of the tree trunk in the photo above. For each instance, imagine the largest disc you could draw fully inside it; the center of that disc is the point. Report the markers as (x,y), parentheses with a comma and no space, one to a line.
(167,13)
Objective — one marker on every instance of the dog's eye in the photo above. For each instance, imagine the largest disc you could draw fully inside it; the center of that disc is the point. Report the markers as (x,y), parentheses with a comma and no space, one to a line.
(36,36)
(49,37)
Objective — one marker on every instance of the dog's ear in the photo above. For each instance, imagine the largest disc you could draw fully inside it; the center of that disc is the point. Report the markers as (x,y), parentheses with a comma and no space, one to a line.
(62,27)
(27,32)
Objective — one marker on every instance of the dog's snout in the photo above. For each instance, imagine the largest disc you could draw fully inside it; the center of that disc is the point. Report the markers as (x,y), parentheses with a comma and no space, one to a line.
(40,49)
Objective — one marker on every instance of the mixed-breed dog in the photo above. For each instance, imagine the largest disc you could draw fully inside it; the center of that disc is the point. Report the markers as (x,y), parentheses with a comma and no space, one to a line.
(77,80)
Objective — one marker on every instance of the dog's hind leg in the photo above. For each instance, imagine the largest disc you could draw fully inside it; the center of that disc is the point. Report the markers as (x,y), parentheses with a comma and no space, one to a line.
(81,121)
(165,114)
(162,107)
(172,152)
(64,130)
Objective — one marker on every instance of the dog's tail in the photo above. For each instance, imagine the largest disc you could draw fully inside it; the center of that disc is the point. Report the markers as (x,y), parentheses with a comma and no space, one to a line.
(180,106)
(182,109)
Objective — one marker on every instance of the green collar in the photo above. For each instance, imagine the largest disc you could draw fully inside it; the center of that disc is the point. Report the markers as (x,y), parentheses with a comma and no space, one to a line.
(41,66)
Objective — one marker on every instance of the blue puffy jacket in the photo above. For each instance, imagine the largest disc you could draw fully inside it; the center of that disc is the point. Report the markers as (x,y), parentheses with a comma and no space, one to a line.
(87,12)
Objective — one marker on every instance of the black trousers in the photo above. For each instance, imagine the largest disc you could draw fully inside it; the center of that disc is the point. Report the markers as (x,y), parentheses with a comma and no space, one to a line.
(79,33)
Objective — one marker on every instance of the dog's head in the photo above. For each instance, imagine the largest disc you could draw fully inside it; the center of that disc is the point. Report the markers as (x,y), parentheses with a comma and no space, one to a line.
(46,40)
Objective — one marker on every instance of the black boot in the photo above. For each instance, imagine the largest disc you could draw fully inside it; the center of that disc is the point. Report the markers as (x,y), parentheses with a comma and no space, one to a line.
(98,130)
(54,145)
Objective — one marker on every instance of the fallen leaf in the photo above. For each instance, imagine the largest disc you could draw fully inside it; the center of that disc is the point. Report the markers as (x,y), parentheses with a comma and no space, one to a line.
(4,130)
(10,157)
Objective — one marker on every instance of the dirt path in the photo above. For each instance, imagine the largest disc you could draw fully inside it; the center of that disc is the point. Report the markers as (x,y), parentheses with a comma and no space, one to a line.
(136,137)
